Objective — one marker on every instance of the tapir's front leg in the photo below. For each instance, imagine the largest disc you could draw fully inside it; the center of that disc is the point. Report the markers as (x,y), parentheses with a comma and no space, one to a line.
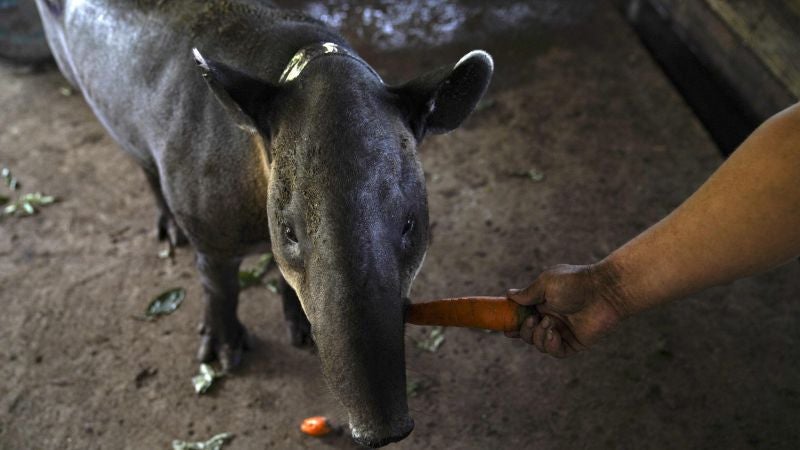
(223,336)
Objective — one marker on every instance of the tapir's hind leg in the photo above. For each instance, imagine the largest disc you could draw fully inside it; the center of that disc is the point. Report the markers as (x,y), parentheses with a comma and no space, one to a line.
(296,320)
(223,336)
(167,228)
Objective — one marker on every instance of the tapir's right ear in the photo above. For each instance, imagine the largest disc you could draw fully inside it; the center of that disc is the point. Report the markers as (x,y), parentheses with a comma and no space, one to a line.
(246,98)
(438,101)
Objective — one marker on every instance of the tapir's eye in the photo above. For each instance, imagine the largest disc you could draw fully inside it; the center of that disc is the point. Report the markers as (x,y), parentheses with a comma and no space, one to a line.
(289,232)
(408,226)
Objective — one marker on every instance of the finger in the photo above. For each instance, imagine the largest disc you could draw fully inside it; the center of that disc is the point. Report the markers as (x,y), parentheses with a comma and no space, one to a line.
(531,295)
(540,332)
(571,341)
(526,331)
(553,344)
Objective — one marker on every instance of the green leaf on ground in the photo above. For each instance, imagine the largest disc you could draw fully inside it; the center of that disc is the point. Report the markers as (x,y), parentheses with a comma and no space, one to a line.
(165,252)
(433,340)
(272,285)
(27,204)
(166,303)
(215,443)
(253,276)
(37,199)
(8,179)
(533,175)
(205,378)
(415,386)
(28,208)
(485,103)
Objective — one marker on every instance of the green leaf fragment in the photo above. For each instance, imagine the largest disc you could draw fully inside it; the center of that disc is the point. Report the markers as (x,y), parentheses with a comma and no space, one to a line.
(37,199)
(215,443)
(9,179)
(205,378)
(533,175)
(272,285)
(166,303)
(27,204)
(414,387)
(485,103)
(252,277)
(247,279)
(433,341)
(165,253)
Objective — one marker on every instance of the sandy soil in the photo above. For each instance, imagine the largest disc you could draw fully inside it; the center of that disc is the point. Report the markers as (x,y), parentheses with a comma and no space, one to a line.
(578,100)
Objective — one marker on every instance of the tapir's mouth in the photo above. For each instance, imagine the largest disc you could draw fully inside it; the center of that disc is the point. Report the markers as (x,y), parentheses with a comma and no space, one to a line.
(399,433)
(406,304)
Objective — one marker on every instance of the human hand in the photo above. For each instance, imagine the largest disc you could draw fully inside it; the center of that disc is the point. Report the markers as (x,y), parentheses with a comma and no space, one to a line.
(576,304)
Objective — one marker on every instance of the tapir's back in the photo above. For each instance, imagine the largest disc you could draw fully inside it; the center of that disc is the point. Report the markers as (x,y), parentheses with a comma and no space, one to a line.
(132,59)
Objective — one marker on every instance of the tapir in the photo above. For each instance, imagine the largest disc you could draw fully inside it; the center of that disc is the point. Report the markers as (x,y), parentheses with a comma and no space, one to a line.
(257,126)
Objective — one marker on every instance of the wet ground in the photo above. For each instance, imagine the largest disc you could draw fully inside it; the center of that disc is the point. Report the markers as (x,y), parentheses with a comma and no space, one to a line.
(575,99)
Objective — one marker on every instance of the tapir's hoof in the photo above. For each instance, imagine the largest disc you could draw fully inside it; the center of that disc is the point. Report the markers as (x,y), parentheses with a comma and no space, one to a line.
(227,350)
(300,333)
(168,230)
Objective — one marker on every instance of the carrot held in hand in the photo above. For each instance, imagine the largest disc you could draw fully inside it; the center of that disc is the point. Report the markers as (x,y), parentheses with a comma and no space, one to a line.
(489,313)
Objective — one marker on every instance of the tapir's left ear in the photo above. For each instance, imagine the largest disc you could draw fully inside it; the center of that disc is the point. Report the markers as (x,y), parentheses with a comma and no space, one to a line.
(248,99)
(440,100)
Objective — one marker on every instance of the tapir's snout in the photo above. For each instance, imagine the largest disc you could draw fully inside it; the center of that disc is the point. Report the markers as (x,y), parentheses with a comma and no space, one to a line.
(378,435)
(356,314)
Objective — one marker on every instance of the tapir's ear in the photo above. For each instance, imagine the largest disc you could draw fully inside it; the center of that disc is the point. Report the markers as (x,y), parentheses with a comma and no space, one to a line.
(245,97)
(440,100)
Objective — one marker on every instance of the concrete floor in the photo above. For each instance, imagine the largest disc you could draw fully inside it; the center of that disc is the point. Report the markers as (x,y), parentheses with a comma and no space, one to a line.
(575,97)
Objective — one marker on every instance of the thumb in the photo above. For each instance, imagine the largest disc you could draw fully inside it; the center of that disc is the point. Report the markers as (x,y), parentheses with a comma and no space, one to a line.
(531,295)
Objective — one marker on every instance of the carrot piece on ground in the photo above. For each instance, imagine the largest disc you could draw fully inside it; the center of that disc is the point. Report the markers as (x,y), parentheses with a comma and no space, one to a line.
(489,313)
(315,426)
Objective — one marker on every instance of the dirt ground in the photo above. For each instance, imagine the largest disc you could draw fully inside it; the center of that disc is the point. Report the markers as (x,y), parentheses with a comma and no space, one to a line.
(575,98)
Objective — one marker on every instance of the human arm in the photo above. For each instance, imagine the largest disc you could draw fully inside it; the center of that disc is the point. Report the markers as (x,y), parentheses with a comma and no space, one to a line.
(745,219)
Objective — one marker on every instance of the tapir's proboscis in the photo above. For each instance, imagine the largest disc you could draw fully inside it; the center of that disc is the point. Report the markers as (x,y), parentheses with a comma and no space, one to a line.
(259,126)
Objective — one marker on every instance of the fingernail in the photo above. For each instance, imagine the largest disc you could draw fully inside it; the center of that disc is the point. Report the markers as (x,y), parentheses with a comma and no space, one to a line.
(546,323)
(549,335)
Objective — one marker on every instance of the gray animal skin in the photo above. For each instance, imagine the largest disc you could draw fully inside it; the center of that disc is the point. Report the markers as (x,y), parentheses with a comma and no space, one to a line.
(321,165)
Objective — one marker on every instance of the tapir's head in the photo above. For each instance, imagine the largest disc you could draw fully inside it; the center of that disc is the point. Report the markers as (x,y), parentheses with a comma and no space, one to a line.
(348,215)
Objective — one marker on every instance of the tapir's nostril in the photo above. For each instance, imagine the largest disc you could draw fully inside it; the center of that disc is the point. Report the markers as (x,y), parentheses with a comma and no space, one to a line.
(290,235)
(408,226)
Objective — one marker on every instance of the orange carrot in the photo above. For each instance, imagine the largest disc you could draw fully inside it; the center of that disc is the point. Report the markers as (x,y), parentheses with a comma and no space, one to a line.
(490,313)
(315,426)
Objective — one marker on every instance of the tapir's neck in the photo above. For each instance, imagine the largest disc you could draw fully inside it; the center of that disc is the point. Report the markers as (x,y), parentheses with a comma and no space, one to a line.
(311,52)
